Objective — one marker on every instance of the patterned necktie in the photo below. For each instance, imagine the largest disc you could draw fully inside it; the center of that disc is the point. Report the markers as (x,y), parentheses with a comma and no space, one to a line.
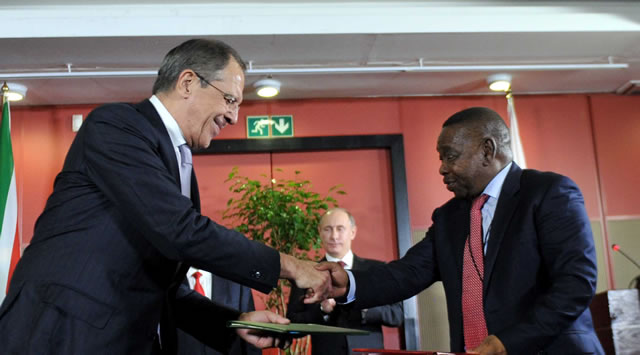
(185,169)
(197,286)
(475,326)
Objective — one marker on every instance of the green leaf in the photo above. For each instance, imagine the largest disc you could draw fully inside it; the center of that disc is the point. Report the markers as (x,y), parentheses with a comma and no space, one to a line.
(283,214)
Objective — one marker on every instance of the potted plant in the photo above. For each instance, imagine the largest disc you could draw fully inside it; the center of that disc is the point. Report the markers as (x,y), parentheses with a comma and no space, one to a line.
(283,214)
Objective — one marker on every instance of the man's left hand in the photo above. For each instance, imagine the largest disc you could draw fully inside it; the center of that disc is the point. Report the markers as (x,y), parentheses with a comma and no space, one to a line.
(339,279)
(261,339)
(491,345)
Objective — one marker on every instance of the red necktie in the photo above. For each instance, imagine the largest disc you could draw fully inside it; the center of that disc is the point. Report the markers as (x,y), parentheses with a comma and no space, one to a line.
(342,263)
(197,286)
(475,326)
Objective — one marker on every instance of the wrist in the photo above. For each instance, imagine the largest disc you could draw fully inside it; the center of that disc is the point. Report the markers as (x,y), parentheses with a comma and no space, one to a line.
(287,266)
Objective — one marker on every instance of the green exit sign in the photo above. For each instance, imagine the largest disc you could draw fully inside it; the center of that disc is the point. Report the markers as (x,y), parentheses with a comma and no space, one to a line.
(258,126)
(269,126)
(282,126)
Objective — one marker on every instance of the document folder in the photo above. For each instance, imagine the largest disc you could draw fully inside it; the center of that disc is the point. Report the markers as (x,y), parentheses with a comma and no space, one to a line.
(401,352)
(295,328)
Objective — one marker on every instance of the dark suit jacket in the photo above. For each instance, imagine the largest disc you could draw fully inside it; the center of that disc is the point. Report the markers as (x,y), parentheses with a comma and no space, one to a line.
(228,294)
(112,246)
(345,316)
(540,267)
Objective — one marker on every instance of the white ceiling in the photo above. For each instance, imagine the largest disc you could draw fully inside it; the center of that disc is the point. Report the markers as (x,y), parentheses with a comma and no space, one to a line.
(40,37)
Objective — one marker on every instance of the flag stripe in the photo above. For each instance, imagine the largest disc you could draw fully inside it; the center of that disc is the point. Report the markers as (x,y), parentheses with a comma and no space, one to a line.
(15,255)
(6,158)
(8,202)
(8,236)
(516,142)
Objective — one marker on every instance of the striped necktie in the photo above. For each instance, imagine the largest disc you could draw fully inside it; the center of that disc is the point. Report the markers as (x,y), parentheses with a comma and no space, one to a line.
(186,165)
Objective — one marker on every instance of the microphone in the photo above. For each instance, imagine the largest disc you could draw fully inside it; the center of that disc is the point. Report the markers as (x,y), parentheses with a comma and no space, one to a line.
(616,247)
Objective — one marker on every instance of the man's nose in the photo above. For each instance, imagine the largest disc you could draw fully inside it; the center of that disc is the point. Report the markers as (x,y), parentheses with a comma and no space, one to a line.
(443,169)
(232,116)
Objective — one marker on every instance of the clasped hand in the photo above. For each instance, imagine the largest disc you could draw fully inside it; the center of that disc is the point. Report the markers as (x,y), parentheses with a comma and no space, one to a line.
(339,282)
(321,281)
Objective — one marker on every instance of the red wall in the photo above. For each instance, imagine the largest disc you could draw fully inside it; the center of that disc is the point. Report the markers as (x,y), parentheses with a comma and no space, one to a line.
(41,137)
(557,133)
(616,122)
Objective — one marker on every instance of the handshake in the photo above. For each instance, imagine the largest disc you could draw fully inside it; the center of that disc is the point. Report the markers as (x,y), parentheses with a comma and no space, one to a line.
(321,280)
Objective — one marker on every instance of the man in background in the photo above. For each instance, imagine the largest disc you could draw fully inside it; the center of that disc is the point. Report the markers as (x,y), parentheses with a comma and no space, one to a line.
(337,230)
(221,291)
(513,249)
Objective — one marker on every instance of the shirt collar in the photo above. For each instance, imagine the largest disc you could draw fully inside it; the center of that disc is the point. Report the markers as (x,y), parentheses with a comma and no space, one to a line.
(192,270)
(175,133)
(347,259)
(495,185)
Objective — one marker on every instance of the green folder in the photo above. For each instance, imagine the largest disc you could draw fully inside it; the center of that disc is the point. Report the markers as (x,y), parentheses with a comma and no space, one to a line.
(295,328)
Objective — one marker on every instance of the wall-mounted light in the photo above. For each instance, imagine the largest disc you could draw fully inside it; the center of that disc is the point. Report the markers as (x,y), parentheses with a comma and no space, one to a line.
(16,92)
(499,82)
(267,87)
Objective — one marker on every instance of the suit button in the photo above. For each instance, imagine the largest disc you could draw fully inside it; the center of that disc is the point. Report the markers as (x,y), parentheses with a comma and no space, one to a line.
(257,275)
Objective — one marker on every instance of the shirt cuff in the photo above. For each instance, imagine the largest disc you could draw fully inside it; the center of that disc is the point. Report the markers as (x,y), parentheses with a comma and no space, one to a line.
(351,295)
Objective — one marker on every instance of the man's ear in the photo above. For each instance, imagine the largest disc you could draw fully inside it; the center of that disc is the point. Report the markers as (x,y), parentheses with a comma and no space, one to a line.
(184,83)
(489,150)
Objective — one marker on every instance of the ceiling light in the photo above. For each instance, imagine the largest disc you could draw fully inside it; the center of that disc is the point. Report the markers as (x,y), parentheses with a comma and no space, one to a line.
(267,87)
(16,92)
(499,82)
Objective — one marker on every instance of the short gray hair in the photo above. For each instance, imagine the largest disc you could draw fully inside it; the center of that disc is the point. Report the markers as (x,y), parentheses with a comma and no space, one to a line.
(351,218)
(207,57)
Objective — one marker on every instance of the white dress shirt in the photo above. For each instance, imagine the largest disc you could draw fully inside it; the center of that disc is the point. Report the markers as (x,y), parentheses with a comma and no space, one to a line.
(205,280)
(493,189)
(170,123)
(347,259)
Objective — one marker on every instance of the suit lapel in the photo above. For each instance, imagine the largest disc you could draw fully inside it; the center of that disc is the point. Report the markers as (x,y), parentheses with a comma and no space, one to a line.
(168,155)
(225,292)
(507,202)
(195,193)
(146,108)
(357,263)
(460,231)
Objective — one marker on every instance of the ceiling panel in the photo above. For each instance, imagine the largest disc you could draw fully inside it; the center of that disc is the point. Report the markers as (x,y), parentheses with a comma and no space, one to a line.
(543,43)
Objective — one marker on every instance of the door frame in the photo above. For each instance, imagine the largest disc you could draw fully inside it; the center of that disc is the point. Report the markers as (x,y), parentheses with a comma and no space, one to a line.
(392,142)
